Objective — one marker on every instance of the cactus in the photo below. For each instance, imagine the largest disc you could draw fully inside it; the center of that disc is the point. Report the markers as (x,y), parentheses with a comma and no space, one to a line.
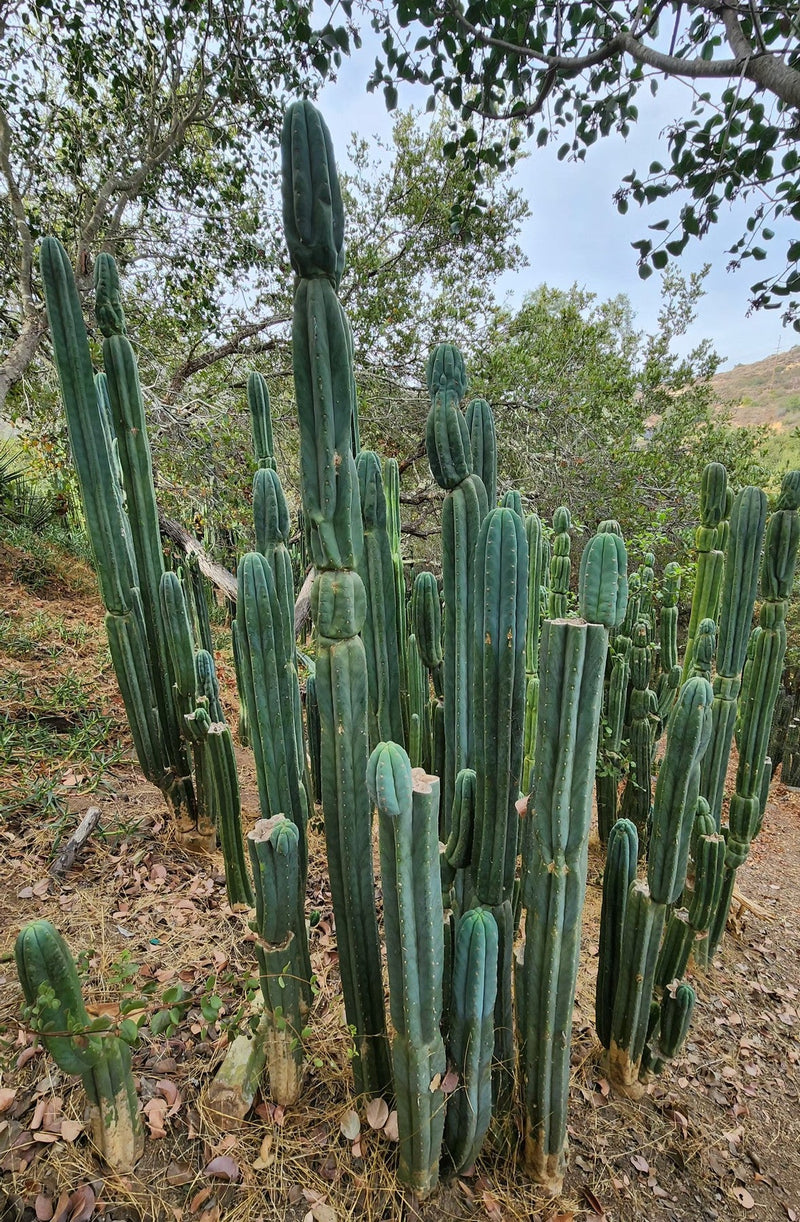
(641,934)
(619,873)
(636,800)
(501,596)
(555,847)
(419,704)
(512,500)
(536,569)
(313,734)
(282,951)
(687,930)
(558,604)
(710,559)
(138,648)
(472,1002)
(407,804)
(669,677)
(380,631)
(463,510)
(747,522)
(324,390)
(272,527)
(50,983)
(391,485)
(647,579)
(760,692)
(483,445)
(608,771)
(261,422)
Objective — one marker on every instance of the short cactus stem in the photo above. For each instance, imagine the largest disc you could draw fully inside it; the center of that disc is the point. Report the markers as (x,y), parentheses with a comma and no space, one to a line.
(261,422)
(419,704)
(407,803)
(669,676)
(641,936)
(391,486)
(282,952)
(710,558)
(483,445)
(50,983)
(619,873)
(273,526)
(471,1041)
(560,565)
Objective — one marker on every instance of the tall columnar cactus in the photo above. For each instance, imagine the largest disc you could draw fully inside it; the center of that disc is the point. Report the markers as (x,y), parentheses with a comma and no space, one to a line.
(710,559)
(609,755)
(282,951)
(674,806)
(512,499)
(555,848)
(313,732)
(426,623)
(50,983)
(687,929)
(619,873)
(380,631)
(501,600)
(748,518)
(419,707)
(273,527)
(138,650)
(261,422)
(483,444)
(745,813)
(407,802)
(463,510)
(536,567)
(324,387)
(560,565)
(391,486)
(471,1042)
(669,676)
(637,797)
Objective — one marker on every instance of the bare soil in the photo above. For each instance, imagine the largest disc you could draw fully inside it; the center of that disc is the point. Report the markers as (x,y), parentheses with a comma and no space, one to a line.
(717,1136)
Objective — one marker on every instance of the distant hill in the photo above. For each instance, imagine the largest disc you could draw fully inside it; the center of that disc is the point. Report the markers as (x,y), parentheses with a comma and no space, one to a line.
(766,392)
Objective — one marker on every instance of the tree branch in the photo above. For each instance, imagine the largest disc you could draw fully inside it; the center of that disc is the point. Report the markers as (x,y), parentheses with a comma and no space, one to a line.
(204,360)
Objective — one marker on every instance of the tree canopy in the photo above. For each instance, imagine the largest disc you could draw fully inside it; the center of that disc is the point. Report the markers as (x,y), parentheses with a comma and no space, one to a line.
(573,72)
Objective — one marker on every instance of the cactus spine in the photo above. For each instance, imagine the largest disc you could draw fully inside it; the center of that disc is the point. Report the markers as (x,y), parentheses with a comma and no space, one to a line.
(324,387)
(407,804)
(50,983)
(555,848)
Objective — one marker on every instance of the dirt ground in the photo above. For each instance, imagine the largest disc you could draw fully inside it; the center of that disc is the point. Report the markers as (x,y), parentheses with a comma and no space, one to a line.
(716,1137)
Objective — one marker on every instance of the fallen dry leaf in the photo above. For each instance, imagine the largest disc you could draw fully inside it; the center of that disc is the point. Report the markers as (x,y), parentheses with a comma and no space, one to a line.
(744,1198)
(7,1097)
(199,1199)
(82,1203)
(322,1212)
(155,1111)
(640,1163)
(70,1129)
(377,1112)
(43,1208)
(390,1128)
(350,1125)
(223,1168)
(178,1174)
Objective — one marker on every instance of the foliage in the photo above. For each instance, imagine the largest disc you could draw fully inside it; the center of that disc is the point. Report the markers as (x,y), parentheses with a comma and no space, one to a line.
(573,73)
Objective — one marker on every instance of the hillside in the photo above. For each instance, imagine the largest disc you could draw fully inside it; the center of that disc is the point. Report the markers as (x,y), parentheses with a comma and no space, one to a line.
(765,392)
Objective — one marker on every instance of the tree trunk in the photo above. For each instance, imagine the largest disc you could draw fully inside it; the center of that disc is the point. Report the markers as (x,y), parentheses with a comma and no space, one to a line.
(21,353)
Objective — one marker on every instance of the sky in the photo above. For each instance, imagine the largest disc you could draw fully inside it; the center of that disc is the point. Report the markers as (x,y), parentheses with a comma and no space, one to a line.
(575,234)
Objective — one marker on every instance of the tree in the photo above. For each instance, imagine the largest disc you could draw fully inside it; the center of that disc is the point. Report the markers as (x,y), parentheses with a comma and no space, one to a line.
(147,131)
(574,71)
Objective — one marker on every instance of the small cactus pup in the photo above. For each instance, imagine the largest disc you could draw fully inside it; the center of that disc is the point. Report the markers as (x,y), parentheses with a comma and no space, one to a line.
(313,219)
(282,952)
(79,1045)
(745,813)
(407,803)
(143,678)
(555,849)
(471,1042)
(463,510)
(714,507)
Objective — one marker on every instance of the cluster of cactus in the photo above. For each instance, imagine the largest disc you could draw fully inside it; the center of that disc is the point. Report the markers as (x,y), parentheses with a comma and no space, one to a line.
(504,692)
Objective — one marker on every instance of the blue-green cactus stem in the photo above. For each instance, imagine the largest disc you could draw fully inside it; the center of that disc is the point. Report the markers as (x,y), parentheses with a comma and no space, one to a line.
(603,580)
(220,788)
(483,444)
(555,847)
(447,436)
(313,734)
(391,485)
(641,935)
(426,623)
(536,567)
(677,790)
(710,558)
(748,518)
(608,771)
(637,798)
(50,983)
(634,605)
(313,215)
(472,1001)
(512,500)
(675,1019)
(261,421)
(669,677)
(458,850)
(705,643)
(282,951)
(419,744)
(195,590)
(407,805)
(619,873)
(560,565)
(380,632)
